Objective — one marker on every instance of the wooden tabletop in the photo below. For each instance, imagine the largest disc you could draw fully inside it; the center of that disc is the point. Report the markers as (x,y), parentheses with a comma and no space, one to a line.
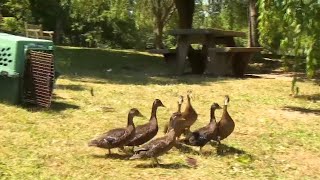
(214,32)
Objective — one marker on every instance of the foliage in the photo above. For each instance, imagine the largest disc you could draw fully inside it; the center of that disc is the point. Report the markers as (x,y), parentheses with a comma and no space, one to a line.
(292,28)
(269,142)
(11,24)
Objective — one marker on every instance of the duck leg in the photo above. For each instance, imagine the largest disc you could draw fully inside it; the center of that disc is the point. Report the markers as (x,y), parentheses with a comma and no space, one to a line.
(109,150)
(121,149)
(156,161)
(219,149)
(200,150)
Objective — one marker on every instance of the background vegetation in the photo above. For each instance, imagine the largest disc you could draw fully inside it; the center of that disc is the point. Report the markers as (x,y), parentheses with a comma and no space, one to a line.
(276,136)
(289,28)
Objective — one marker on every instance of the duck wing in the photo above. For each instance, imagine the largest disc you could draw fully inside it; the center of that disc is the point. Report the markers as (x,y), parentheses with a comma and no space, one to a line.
(141,131)
(154,148)
(110,137)
(152,144)
(199,137)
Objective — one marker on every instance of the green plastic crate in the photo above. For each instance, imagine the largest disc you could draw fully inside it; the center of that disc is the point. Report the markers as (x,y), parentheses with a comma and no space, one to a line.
(10,89)
(12,52)
(12,64)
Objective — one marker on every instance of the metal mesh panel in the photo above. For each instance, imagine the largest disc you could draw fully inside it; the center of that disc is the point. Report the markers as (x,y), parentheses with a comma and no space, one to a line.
(39,78)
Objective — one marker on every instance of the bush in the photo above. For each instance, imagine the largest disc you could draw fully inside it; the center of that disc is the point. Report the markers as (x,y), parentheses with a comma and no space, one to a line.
(11,24)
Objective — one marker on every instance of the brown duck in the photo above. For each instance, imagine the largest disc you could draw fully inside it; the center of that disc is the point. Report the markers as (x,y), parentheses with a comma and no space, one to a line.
(189,113)
(167,126)
(159,146)
(144,133)
(226,124)
(117,137)
(201,136)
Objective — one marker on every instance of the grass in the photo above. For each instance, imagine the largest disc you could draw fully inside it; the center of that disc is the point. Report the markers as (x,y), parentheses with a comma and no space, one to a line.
(276,136)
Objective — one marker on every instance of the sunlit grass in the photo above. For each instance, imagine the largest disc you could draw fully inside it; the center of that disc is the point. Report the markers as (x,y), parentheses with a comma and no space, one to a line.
(277,134)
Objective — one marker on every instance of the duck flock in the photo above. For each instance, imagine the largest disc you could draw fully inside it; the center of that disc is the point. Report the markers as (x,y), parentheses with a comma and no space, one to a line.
(140,138)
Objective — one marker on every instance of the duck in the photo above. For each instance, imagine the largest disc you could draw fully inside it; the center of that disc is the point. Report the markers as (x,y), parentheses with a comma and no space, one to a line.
(167,126)
(146,132)
(201,136)
(117,137)
(158,146)
(189,114)
(226,124)
(187,118)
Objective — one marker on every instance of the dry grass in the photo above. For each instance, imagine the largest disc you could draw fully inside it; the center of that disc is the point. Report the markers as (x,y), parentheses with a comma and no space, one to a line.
(276,136)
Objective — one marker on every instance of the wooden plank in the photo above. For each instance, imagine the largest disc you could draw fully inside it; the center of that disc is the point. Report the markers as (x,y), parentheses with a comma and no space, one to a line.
(214,32)
(236,49)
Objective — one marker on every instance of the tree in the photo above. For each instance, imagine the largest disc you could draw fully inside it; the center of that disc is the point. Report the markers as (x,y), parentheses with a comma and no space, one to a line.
(53,14)
(185,11)
(253,24)
(296,24)
(162,11)
(158,13)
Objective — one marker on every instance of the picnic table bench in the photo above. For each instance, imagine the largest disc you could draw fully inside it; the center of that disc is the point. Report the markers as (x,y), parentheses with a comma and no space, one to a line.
(229,60)
(235,59)
(36,31)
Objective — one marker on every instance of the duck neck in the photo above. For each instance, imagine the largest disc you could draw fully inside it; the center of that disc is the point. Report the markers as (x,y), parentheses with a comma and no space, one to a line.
(154,112)
(179,107)
(130,120)
(188,102)
(212,115)
(225,107)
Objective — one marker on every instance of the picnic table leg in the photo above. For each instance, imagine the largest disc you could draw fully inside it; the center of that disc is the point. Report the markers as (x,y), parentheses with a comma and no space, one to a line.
(182,52)
(240,64)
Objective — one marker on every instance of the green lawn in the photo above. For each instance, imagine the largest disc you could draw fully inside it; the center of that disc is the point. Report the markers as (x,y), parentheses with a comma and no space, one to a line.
(276,136)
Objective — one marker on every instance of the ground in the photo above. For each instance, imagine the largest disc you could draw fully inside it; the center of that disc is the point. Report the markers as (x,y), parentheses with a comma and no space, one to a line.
(277,136)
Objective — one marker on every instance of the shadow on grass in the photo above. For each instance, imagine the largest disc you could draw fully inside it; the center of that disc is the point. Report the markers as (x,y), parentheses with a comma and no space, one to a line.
(71,87)
(121,67)
(185,149)
(313,97)
(163,166)
(302,110)
(61,106)
(112,156)
(55,107)
(225,150)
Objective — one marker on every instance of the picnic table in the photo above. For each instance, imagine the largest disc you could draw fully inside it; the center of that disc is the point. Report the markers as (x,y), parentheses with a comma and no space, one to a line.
(210,38)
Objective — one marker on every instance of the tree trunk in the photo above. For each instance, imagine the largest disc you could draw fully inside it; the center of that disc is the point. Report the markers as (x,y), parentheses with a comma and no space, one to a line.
(159,36)
(253,24)
(185,11)
(58,32)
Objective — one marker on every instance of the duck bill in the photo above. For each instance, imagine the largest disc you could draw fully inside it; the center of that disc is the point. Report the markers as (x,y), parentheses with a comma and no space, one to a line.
(140,115)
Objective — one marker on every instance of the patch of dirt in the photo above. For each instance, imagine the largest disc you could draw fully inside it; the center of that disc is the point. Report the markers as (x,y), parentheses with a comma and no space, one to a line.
(290,114)
(302,163)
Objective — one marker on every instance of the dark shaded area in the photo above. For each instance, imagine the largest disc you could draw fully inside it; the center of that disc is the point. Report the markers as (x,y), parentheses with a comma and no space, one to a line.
(71,87)
(224,150)
(313,97)
(186,149)
(113,156)
(120,67)
(302,110)
(164,166)
(264,66)
(61,106)
(55,107)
